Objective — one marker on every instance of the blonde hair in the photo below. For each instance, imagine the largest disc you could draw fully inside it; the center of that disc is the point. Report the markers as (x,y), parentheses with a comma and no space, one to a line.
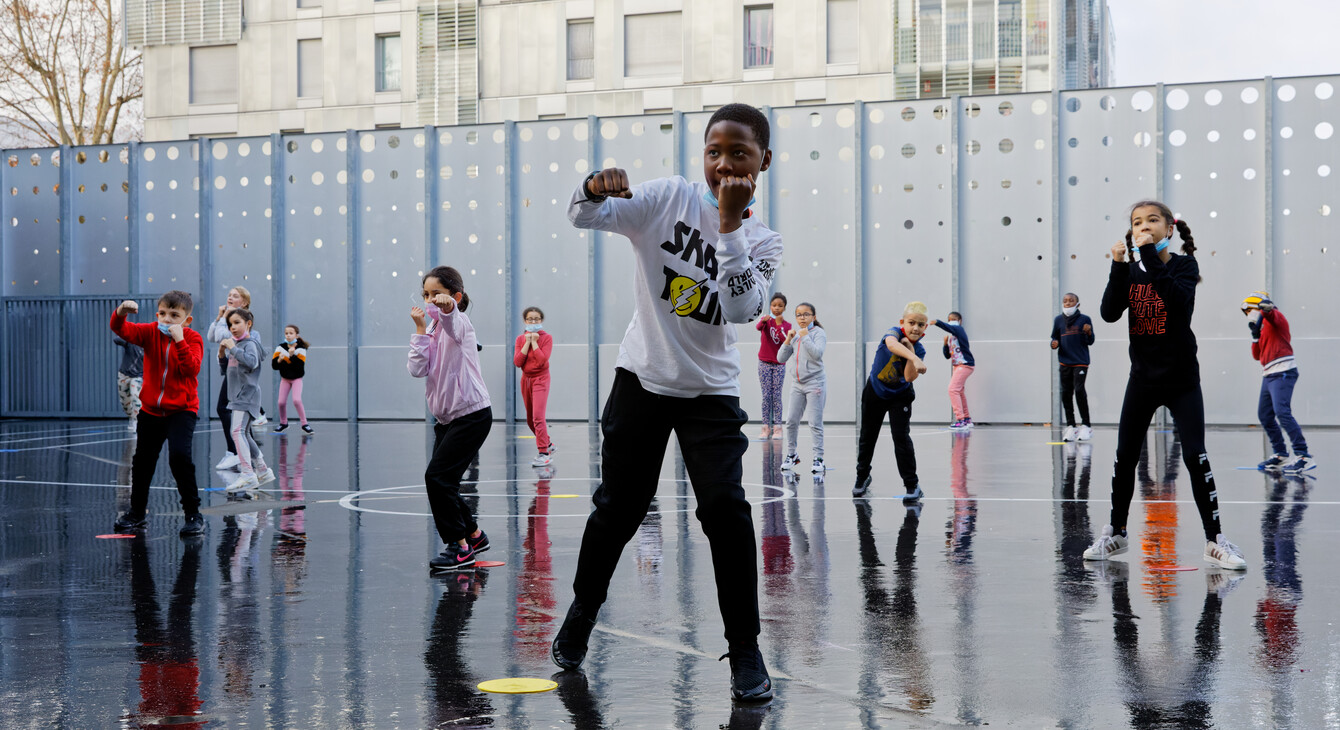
(246,296)
(915,308)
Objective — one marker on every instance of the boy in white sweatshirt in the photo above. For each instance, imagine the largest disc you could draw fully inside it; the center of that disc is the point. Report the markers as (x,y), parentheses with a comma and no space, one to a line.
(704,262)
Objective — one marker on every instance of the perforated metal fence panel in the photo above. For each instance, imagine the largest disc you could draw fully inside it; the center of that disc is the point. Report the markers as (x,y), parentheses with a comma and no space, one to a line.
(994,206)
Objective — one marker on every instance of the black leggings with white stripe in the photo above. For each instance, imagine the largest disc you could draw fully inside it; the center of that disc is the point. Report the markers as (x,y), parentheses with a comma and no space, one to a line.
(1187,405)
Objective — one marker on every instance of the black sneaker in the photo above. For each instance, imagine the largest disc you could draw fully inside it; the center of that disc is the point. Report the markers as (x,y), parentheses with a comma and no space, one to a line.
(307,429)
(479,544)
(914,494)
(569,647)
(454,557)
(861,487)
(749,680)
(281,428)
(127,523)
(195,525)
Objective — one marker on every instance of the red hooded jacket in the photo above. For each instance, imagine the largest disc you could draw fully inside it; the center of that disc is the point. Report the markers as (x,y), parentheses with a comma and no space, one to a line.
(171,369)
(1274,347)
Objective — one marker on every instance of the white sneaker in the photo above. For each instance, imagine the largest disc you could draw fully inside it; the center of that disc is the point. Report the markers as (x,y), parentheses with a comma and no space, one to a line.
(1069,434)
(818,466)
(1106,546)
(266,476)
(542,460)
(260,421)
(1224,554)
(229,461)
(243,482)
(1084,433)
(790,462)
(1300,464)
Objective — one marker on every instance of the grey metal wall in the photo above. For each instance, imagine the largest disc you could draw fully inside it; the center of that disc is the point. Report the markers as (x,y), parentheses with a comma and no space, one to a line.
(990,205)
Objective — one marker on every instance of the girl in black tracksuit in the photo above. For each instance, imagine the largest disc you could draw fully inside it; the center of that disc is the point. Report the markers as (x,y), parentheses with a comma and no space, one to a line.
(1157,292)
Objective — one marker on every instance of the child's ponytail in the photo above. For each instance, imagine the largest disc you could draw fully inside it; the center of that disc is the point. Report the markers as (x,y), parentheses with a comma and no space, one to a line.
(1188,243)
(451,281)
(1130,246)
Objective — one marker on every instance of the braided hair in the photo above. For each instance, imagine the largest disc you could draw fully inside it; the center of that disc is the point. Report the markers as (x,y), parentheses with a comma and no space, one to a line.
(1183,229)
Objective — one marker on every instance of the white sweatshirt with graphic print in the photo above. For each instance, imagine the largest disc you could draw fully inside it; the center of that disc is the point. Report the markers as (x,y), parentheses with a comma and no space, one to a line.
(691,284)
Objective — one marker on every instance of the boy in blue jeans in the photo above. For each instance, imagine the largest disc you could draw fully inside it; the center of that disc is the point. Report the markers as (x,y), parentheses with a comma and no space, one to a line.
(1272,346)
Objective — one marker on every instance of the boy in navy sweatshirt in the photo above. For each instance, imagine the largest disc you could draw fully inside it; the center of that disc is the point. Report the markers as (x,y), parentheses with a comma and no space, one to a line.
(1272,346)
(1072,334)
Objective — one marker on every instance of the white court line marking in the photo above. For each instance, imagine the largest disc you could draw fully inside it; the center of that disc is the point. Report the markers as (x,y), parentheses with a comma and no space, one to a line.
(70,434)
(113,462)
(55,447)
(127,486)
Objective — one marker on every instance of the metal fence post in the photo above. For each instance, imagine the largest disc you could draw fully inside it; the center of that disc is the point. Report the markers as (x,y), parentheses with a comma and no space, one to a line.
(593,290)
(509,262)
(1268,180)
(351,233)
(278,243)
(1056,246)
(858,239)
(205,170)
(134,273)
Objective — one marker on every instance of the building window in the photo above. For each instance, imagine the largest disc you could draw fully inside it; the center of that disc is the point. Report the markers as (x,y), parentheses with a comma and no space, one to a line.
(388,62)
(842,23)
(758,36)
(581,50)
(310,74)
(653,45)
(214,75)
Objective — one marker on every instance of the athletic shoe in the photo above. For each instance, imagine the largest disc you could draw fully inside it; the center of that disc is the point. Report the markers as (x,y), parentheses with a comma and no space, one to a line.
(1276,462)
(128,523)
(776,432)
(281,428)
(959,425)
(266,476)
(913,494)
(553,448)
(569,647)
(790,462)
(454,557)
(243,482)
(1069,434)
(1300,464)
(861,487)
(194,525)
(818,466)
(1084,433)
(968,424)
(478,544)
(766,433)
(260,421)
(749,680)
(229,461)
(307,429)
(1106,546)
(1224,554)
(131,426)
(542,460)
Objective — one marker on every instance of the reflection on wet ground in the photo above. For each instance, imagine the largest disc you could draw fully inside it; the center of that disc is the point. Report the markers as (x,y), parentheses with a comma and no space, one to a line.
(309,603)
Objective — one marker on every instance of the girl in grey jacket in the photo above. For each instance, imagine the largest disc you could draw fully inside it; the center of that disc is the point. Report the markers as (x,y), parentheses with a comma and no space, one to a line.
(809,384)
(243,375)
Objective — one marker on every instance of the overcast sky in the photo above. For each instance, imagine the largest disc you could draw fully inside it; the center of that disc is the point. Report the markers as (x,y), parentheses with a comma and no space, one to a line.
(1183,41)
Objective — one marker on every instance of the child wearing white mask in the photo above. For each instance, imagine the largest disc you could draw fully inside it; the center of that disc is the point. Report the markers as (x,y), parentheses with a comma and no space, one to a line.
(1072,334)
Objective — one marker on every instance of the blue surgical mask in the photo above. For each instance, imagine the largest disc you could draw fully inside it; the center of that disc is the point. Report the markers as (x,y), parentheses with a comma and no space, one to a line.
(1164,244)
(290,341)
(164,327)
(534,327)
(712,200)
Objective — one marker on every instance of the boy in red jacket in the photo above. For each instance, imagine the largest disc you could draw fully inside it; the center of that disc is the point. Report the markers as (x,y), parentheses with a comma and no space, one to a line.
(172,355)
(1272,346)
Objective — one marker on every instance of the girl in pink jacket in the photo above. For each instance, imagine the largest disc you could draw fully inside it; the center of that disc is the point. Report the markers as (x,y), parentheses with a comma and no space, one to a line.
(445,352)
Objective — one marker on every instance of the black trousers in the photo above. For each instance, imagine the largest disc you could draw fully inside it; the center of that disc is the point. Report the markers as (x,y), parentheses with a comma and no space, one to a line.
(637,425)
(899,412)
(1187,405)
(177,429)
(454,447)
(1072,385)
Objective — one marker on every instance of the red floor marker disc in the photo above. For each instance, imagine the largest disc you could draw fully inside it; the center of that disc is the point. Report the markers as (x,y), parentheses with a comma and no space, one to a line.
(489,563)
(114,537)
(1176,569)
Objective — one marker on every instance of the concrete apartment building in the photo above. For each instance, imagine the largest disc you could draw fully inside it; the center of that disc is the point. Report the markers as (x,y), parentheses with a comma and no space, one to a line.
(254,67)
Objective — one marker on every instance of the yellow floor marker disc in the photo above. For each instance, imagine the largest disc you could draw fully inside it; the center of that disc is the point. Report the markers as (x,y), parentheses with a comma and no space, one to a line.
(1056,443)
(563,496)
(517,685)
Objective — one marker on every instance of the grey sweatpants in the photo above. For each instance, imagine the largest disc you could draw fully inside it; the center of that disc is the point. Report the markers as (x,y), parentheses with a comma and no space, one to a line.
(807,399)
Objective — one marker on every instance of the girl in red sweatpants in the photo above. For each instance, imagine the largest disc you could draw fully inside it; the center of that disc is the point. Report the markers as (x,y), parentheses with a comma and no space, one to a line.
(532,356)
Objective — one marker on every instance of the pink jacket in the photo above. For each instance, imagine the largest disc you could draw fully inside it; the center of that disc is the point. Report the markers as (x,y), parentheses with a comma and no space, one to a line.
(448,356)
